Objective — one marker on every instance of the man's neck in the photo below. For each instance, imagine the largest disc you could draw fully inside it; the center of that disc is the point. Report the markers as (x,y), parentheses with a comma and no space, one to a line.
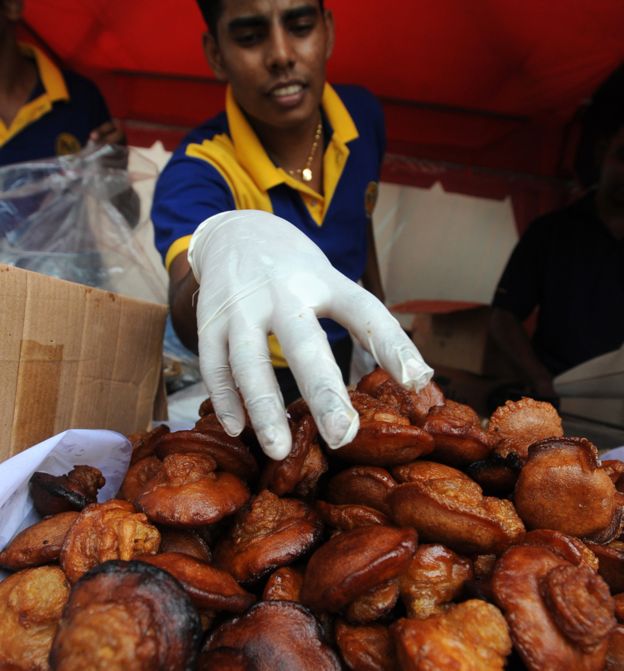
(288,147)
(299,151)
(18,76)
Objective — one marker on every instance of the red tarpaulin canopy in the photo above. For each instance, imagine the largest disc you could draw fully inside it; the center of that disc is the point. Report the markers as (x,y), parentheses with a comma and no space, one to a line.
(470,88)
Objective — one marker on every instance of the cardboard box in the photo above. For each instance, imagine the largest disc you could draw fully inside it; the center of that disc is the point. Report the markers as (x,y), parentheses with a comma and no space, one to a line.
(74,357)
(453,334)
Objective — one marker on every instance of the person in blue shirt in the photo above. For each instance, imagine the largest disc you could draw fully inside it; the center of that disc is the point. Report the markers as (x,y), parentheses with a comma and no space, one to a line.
(288,143)
(45,111)
(263,217)
(48,112)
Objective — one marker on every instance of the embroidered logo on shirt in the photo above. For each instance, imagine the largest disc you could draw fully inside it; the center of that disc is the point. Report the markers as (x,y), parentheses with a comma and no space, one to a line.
(370,198)
(66,143)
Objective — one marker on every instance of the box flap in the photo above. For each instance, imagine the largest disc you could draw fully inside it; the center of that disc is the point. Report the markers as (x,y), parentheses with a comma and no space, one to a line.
(601,377)
(74,357)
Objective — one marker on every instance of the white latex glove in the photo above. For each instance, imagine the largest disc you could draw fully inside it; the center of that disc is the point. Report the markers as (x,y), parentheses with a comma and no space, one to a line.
(258,274)
(362,362)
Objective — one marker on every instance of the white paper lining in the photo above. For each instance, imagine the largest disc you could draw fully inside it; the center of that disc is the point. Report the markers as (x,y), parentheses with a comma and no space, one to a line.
(107,450)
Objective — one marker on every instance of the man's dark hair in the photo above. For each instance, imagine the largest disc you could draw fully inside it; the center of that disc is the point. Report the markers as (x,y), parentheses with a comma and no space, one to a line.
(601,120)
(211,11)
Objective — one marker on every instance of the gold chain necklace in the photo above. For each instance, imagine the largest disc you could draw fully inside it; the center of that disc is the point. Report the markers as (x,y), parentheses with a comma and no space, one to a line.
(305,173)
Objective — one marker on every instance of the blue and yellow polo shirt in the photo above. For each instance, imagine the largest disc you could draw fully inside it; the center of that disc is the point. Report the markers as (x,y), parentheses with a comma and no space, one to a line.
(222,166)
(61,112)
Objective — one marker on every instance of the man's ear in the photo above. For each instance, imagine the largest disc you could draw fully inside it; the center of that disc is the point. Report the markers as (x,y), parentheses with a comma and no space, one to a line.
(213,56)
(331,33)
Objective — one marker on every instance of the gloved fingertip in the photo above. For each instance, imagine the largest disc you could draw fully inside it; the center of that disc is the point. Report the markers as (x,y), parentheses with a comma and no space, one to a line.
(339,427)
(231,425)
(275,443)
(415,373)
(417,380)
(277,452)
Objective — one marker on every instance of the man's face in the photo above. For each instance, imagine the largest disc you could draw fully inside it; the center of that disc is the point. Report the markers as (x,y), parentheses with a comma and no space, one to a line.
(611,184)
(10,12)
(273,53)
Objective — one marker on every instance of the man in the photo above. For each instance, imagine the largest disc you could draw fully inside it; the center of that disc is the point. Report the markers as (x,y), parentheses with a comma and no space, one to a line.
(291,145)
(570,265)
(44,111)
(282,124)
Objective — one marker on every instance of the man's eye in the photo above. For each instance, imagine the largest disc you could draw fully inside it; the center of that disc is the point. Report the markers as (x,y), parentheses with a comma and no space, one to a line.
(301,28)
(247,38)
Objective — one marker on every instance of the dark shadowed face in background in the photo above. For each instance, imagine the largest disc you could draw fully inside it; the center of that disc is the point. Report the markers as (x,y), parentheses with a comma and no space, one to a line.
(10,12)
(611,184)
(274,54)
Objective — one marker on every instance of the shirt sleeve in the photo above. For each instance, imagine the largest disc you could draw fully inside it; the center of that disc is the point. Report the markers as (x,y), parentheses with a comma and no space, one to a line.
(188,191)
(519,288)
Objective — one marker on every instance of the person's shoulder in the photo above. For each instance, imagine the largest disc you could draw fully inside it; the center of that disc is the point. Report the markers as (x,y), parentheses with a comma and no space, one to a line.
(86,102)
(200,152)
(205,132)
(356,97)
(79,85)
(365,110)
(355,92)
(578,211)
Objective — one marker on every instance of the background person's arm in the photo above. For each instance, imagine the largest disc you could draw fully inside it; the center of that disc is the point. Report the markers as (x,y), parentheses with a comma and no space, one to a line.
(127,201)
(512,339)
(110,132)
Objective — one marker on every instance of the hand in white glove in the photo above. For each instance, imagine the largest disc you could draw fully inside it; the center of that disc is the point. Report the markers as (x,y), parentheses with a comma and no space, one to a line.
(258,274)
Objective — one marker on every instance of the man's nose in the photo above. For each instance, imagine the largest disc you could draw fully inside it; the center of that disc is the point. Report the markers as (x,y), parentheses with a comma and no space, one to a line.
(280,52)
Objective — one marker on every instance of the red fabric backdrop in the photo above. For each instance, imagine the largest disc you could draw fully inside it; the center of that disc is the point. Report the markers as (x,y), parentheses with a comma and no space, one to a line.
(483,95)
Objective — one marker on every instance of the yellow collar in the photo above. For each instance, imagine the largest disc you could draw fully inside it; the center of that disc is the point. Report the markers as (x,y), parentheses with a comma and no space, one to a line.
(54,89)
(252,155)
(50,75)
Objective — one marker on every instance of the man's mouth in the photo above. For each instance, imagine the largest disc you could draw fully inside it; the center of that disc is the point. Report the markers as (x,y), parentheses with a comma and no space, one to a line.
(286,90)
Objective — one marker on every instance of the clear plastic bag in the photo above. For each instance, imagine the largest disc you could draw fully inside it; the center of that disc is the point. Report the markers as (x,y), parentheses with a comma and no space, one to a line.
(84,218)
